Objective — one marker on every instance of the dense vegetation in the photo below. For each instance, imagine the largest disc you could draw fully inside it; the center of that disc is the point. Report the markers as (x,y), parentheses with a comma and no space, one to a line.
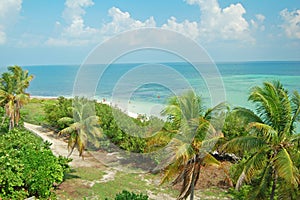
(190,127)
(264,141)
(271,161)
(27,165)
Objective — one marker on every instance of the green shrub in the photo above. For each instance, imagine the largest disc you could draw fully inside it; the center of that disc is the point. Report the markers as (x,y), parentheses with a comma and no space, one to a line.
(55,110)
(125,195)
(28,167)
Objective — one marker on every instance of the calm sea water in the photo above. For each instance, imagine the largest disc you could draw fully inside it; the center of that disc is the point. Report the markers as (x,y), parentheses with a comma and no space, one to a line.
(146,84)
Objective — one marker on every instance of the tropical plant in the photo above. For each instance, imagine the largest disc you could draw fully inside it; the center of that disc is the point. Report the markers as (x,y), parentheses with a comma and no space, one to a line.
(83,127)
(125,195)
(198,130)
(56,109)
(12,92)
(28,167)
(271,147)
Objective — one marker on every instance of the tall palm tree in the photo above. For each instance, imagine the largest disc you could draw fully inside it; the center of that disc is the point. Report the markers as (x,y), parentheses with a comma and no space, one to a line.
(83,127)
(22,79)
(272,145)
(197,133)
(12,92)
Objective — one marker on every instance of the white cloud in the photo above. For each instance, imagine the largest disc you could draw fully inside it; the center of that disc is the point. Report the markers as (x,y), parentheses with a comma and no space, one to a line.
(291,24)
(217,23)
(74,9)
(9,12)
(187,28)
(261,18)
(76,33)
(258,22)
(122,21)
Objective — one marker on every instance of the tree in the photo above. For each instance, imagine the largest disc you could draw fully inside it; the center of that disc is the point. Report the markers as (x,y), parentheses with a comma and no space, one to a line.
(83,127)
(12,92)
(272,147)
(198,130)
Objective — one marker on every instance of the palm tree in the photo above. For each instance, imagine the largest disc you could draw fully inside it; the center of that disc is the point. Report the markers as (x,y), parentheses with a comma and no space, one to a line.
(12,93)
(271,145)
(197,132)
(83,127)
(22,80)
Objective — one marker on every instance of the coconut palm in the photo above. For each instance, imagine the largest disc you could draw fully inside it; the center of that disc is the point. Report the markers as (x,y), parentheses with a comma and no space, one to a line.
(271,145)
(22,79)
(83,127)
(12,93)
(197,132)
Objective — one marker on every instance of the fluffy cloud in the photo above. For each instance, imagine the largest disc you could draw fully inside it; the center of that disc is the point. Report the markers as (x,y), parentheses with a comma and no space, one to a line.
(9,12)
(258,22)
(76,33)
(217,23)
(122,21)
(291,24)
(187,28)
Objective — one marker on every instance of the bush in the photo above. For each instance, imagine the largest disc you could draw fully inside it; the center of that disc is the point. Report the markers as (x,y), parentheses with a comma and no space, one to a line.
(28,167)
(55,110)
(125,195)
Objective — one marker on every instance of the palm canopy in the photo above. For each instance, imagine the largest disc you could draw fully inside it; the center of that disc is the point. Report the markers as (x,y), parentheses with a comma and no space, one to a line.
(271,144)
(12,92)
(196,136)
(83,127)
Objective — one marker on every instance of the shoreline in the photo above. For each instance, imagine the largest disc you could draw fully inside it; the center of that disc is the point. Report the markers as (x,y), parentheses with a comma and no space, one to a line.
(133,109)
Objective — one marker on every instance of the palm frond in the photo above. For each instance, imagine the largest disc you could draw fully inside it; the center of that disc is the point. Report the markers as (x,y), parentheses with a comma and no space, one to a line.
(255,163)
(263,130)
(172,170)
(259,192)
(67,130)
(211,160)
(296,106)
(65,120)
(285,167)
(247,143)
(246,114)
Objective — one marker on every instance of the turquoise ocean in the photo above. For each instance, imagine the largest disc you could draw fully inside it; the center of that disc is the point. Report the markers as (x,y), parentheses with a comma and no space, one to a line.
(238,78)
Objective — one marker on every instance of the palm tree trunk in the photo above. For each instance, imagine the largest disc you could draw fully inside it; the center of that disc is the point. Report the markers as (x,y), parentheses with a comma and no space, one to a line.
(192,188)
(273,186)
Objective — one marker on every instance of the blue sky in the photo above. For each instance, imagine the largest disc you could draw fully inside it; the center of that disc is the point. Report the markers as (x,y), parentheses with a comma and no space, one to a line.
(65,31)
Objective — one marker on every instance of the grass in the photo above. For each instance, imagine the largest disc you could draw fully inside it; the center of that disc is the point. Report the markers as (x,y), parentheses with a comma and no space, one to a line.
(84,183)
(33,112)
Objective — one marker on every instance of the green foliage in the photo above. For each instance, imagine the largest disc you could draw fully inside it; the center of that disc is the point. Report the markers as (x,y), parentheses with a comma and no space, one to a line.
(241,194)
(234,125)
(12,93)
(125,195)
(55,110)
(83,127)
(270,164)
(130,135)
(28,167)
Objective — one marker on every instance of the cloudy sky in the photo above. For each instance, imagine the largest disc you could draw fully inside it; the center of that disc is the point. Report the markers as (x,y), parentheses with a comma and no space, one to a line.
(65,31)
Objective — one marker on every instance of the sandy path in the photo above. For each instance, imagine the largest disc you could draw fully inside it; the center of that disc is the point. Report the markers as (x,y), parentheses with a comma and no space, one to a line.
(98,159)
(59,147)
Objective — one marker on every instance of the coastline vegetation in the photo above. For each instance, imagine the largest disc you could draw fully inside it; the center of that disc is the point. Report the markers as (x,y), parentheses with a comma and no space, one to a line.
(261,146)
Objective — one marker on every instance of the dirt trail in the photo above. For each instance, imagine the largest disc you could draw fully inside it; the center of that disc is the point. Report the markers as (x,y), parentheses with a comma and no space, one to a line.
(59,147)
(108,161)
